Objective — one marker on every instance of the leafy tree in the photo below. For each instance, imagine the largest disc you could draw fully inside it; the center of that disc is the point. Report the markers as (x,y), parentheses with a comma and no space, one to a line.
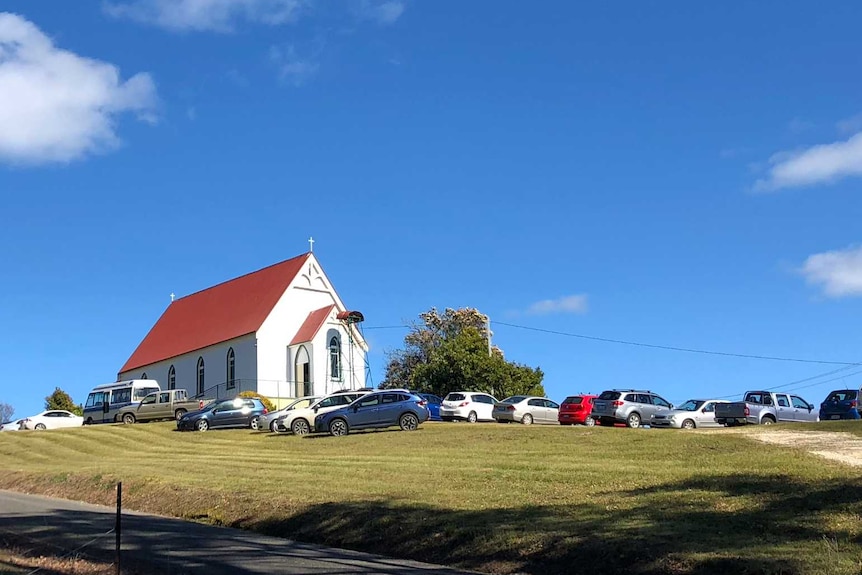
(6,412)
(62,400)
(448,352)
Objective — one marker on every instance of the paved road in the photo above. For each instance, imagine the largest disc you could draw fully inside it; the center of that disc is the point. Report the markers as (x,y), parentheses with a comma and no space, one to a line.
(182,547)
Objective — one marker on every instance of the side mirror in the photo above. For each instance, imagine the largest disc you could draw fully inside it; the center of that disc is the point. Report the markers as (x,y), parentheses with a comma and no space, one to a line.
(316,409)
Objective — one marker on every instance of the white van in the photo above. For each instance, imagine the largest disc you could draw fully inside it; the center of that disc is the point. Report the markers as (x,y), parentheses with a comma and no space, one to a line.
(105,401)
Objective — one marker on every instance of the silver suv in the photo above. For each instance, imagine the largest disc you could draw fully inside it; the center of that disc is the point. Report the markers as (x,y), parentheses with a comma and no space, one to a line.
(629,406)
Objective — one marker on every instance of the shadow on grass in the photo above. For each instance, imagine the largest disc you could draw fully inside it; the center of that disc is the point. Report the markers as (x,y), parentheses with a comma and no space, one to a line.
(707,525)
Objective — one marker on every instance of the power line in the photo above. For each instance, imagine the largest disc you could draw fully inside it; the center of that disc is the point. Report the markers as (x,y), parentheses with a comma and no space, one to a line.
(673,348)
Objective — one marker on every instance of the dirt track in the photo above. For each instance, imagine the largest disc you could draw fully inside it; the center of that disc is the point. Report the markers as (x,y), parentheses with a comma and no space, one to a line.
(837,446)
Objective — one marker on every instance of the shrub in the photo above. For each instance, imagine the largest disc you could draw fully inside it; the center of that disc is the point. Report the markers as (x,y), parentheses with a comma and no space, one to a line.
(265,400)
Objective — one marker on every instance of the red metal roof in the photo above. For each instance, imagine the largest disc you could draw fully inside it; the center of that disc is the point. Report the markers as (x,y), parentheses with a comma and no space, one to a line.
(225,311)
(311,325)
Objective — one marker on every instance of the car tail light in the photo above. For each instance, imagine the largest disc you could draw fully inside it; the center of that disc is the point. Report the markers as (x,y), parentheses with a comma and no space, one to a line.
(853,403)
(464,404)
(201,404)
(265,411)
(617,403)
(747,411)
(422,403)
(510,408)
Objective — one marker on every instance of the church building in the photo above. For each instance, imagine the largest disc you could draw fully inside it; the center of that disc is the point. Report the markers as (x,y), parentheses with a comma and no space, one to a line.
(282,331)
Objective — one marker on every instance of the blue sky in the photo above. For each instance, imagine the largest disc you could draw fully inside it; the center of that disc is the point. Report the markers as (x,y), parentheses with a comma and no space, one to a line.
(674,173)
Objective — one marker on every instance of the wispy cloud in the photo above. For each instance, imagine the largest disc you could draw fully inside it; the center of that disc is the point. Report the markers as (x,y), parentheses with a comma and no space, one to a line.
(838,272)
(291,67)
(566,304)
(384,13)
(850,125)
(57,106)
(820,164)
(208,15)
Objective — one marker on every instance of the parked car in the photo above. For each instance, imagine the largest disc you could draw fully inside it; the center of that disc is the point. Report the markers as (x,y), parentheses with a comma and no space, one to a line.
(766,408)
(433,405)
(470,406)
(269,421)
(577,409)
(375,410)
(11,425)
(840,404)
(301,421)
(629,406)
(52,419)
(171,404)
(527,409)
(237,412)
(692,414)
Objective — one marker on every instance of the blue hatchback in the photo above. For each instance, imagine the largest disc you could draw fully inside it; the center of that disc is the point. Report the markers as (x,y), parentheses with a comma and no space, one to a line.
(840,404)
(433,405)
(375,410)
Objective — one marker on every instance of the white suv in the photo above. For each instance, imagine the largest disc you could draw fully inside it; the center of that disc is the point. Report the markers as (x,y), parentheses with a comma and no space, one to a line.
(470,406)
(300,421)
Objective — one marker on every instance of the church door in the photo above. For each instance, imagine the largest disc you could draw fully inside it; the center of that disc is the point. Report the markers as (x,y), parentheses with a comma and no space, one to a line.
(302,369)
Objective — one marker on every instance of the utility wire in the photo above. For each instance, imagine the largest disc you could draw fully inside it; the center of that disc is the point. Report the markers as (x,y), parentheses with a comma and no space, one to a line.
(673,348)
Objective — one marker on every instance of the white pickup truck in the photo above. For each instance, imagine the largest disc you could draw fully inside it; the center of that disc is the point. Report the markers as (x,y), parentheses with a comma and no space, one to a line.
(765,407)
(171,404)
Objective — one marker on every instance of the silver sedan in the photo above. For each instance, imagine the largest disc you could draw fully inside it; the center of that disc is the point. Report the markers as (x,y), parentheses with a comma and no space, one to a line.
(527,409)
(692,414)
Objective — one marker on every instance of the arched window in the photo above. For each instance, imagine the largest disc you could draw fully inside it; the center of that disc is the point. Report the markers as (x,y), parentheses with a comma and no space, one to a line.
(334,358)
(172,378)
(200,376)
(144,375)
(230,375)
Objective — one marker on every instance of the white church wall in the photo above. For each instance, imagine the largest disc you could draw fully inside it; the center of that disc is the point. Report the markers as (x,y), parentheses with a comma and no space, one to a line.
(215,368)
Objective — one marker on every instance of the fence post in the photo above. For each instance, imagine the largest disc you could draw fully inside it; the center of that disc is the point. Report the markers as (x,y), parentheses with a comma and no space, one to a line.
(118,526)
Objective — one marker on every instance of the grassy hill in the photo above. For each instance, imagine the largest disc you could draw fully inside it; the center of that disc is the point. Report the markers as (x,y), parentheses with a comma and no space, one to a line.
(496,498)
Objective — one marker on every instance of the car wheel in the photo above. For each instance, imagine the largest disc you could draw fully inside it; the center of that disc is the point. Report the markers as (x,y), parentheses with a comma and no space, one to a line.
(338,427)
(767,420)
(634,420)
(408,422)
(128,419)
(300,427)
(40,426)
(688,424)
(254,423)
(527,419)
(590,422)
(472,417)
(202,425)
(178,414)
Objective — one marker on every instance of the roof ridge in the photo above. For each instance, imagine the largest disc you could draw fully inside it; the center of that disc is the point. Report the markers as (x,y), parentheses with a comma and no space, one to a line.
(306,254)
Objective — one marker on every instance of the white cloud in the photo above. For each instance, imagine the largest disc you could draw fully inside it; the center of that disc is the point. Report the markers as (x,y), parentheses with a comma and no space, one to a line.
(291,67)
(817,165)
(56,106)
(839,272)
(210,15)
(850,125)
(565,304)
(383,13)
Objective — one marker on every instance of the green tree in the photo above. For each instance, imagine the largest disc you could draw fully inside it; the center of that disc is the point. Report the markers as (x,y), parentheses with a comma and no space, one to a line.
(449,352)
(62,400)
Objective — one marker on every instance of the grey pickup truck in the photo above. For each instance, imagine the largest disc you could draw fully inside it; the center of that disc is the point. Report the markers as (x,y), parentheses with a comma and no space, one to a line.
(765,407)
(171,404)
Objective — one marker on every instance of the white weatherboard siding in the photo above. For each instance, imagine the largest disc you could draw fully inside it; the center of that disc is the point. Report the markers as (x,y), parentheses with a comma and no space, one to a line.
(215,366)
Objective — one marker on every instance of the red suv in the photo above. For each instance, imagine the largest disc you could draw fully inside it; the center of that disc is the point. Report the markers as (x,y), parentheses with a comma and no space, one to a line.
(577,409)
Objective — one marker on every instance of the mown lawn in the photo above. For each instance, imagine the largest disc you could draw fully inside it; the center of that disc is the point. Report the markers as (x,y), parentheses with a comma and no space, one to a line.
(496,498)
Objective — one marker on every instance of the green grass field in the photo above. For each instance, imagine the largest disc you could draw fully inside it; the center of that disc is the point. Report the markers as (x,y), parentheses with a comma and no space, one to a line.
(496,498)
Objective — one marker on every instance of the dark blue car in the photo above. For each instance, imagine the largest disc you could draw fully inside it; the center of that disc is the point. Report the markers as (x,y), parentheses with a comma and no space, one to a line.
(375,410)
(840,404)
(433,405)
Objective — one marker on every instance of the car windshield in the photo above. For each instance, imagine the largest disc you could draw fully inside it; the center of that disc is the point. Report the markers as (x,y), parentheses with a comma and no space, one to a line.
(690,405)
(514,399)
(575,400)
(608,395)
(225,404)
(456,397)
(843,395)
